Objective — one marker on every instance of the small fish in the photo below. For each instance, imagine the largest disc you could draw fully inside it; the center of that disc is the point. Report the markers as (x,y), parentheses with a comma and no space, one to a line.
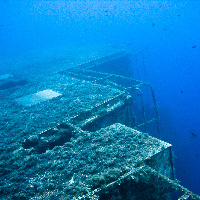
(193,135)
(194,47)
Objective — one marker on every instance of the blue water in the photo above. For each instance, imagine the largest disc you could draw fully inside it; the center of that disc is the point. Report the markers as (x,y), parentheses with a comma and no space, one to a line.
(167,33)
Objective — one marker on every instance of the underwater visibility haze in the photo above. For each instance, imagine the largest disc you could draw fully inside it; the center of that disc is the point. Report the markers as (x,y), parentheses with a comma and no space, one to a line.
(45,46)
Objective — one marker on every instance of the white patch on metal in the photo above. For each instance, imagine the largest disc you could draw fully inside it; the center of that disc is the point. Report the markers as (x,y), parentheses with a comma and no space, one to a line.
(5,76)
(38,97)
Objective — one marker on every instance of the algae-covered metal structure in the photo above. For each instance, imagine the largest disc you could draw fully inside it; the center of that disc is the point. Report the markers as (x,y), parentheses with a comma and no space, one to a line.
(81,131)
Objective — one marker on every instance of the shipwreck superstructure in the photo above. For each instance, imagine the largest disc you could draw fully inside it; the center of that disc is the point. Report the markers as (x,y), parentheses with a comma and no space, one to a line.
(80,131)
